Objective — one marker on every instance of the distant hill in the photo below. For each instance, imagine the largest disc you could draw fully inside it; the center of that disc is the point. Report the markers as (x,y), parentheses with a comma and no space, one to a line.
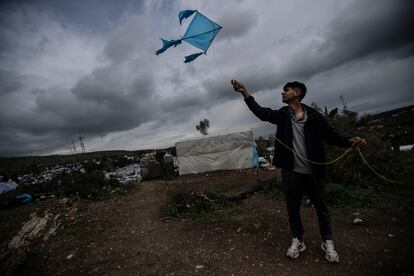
(29,164)
(398,122)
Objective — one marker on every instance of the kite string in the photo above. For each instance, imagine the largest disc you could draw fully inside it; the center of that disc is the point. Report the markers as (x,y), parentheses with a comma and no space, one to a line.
(373,170)
(314,162)
(340,157)
(219,68)
(225,76)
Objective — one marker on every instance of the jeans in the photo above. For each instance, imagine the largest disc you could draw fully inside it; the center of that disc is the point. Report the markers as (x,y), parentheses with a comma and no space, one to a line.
(294,184)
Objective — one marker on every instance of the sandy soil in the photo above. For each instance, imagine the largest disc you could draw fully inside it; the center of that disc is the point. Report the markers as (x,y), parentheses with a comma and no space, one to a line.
(127,236)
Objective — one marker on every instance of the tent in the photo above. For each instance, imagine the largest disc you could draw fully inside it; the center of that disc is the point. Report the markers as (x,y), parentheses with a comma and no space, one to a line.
(221,151)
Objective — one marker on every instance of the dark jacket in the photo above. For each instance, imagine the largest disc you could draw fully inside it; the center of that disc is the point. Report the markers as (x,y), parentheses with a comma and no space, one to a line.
(316,129)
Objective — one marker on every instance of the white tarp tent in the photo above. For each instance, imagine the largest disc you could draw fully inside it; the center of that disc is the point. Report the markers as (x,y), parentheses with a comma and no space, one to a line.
(223,151)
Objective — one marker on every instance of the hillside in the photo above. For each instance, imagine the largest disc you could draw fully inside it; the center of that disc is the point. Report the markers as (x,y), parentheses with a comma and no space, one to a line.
(128,235)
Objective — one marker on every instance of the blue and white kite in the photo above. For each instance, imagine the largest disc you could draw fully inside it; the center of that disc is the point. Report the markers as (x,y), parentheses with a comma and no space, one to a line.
(200,33)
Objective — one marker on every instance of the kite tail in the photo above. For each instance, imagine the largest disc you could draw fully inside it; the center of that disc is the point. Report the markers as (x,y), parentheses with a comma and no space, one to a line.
(185,14)
(192,57)
(167,44)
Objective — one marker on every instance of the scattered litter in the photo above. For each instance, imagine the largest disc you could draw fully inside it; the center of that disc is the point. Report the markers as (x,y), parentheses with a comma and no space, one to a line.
(391,235)
(357,221)
(199,266)
(24,198)
(69,256)
(64,200)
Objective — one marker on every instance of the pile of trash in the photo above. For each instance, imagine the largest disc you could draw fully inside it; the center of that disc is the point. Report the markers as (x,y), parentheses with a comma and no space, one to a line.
(126,174)
(266,164)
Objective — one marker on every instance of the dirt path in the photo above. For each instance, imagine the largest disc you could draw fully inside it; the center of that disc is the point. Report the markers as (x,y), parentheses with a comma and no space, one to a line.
(126,236)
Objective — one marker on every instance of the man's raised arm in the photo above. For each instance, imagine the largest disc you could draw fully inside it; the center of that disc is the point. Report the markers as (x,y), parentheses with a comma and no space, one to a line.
(263,113)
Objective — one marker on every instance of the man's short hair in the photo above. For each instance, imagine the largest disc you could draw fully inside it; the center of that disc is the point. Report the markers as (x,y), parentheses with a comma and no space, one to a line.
(296,85)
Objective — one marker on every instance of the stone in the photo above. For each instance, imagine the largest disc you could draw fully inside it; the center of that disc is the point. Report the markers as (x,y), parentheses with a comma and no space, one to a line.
(357,221)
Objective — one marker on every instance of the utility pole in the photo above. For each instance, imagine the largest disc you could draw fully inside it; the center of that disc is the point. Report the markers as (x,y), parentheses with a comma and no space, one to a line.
(74,146)
(81,143)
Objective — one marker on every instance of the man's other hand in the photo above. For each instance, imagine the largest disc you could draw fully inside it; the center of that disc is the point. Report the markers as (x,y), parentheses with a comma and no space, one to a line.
(357,141)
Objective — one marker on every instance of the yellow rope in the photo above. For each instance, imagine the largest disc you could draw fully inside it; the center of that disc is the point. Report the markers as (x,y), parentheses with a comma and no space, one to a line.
(373,170)
(337,159)
(314,162)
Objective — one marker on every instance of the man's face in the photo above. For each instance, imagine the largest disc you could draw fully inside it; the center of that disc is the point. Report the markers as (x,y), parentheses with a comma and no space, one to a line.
(290,94)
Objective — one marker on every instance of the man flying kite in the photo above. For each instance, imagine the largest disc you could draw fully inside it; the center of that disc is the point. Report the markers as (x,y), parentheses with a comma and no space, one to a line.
(299,152)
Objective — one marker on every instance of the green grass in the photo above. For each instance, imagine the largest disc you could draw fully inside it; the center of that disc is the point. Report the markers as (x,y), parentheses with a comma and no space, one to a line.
(210,205)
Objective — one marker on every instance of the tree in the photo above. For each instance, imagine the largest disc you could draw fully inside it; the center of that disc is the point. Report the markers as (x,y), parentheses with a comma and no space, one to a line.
(203,126)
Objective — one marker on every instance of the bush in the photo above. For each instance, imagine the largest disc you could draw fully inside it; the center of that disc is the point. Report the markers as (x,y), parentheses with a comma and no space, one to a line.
(351,170)
(87,185)
(208,205)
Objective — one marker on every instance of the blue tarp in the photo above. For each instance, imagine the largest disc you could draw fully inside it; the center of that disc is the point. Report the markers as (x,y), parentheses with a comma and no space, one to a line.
(255,156)
(7,186)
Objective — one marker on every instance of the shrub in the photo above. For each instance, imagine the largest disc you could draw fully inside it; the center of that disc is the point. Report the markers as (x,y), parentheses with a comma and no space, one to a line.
(208,205)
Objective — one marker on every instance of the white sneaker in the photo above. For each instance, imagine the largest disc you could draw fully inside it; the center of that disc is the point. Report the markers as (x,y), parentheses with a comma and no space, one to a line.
(330,254)
(296,247)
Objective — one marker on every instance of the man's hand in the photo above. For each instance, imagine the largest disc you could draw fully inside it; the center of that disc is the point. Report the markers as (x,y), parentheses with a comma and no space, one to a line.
(357,141)
(238,87)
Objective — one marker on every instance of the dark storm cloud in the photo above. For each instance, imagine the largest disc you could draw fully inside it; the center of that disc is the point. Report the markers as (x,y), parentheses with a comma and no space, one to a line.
(101,103)
(117,96)
(363,28)
(366,47)
(372,26)
(93,15)
(189,97)
(9,81)
(24,143)
(97,105)
(237,23)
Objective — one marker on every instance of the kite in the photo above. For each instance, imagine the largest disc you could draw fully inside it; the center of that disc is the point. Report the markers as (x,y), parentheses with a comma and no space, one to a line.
(200,33)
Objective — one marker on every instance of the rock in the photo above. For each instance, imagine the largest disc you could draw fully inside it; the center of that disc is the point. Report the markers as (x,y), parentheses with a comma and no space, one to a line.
(357,221)
(30,230)
(64,200)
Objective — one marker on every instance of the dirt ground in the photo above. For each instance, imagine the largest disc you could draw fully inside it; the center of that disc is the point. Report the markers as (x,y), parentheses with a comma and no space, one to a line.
(127,236)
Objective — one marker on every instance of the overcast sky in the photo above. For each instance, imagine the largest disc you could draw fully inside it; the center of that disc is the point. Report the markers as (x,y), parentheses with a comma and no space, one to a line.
(88,66)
